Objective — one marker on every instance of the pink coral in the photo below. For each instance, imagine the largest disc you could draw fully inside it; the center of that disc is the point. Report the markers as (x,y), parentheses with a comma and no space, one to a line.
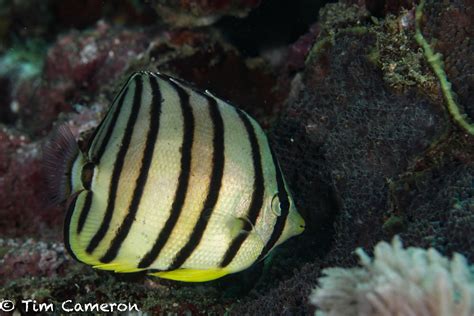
(21,201)
(31,258)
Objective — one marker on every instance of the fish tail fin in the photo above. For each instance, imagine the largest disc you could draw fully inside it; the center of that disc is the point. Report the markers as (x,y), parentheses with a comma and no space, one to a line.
(58,155)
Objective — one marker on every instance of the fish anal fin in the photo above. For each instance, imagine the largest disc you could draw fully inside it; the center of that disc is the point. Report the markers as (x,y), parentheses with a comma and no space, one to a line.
(192,275)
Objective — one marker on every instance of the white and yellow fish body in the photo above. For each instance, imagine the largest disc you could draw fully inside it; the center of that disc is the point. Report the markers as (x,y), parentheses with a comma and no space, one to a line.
(176,182)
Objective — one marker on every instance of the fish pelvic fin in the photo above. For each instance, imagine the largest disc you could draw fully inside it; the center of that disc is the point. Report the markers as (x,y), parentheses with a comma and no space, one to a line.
(192,275)
(118,267)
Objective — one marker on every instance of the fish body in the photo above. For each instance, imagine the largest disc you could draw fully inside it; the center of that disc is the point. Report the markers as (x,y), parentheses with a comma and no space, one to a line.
(176,182)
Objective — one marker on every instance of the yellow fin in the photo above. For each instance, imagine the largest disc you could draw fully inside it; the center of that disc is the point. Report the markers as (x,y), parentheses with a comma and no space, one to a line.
(191,275)
(236,226)
(118,267)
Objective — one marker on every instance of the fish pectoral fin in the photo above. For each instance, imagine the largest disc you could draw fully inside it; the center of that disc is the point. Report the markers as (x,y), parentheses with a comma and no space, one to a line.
(192,275)
(117,267)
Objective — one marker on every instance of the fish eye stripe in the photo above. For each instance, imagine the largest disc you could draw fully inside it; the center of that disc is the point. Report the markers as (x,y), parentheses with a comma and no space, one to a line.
(257,195)
(284,206)
(218,162)
(152,136)
(118,166)
(87,173)
(96,159)
(183,180)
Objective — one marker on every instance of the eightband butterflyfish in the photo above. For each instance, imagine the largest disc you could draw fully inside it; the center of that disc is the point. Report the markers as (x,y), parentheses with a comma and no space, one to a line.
(173,181)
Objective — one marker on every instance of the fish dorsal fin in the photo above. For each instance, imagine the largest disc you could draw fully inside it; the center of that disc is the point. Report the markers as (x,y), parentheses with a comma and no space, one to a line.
(192,275)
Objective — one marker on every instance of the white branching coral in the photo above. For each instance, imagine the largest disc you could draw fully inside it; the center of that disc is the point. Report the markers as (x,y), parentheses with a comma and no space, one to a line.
(400,282)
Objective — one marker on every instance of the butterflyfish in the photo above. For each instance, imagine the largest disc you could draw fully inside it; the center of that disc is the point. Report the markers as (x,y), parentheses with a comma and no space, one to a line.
(175,182)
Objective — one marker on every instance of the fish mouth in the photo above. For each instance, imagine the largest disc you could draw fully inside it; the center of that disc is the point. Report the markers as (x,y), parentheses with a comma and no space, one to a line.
(299,223)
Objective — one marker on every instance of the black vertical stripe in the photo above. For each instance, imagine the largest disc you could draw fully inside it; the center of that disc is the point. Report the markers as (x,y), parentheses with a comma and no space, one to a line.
(120,96)
(284,207)
(117,170)
(183,180)
(151,138)
(110,128)
(84,212)
(214,186)
(96,159)
(257,195)
(67,224)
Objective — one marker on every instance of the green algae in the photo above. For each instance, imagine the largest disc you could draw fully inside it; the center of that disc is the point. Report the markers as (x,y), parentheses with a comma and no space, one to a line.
(400,60)
(26,59)
(402,63)
(393,224)
(434,59)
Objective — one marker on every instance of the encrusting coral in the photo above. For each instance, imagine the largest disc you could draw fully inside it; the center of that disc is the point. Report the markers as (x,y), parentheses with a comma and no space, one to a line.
(398,281)
(435,61)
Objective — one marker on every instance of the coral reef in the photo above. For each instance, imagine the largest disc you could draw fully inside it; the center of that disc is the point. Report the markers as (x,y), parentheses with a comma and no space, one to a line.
(365,123)
(207,61)
(198,13)
(75,67)
(41,259)
(398,281)
(22,210)
(356,109)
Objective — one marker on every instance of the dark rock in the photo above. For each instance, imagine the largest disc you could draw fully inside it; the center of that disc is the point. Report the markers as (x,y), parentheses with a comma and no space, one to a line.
(208,62)
(354,131)
(198,13)
(452,25)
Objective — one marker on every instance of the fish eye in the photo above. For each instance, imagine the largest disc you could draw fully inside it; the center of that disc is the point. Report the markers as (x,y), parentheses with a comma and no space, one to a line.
(87,175)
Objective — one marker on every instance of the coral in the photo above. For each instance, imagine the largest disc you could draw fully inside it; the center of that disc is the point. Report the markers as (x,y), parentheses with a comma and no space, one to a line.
(198,13)
(398,55)
(75,67)
(364,137)
(354,133)
(353,129)
(435,206)
(83,284)
(22,20)
(460,223)
(435,61)
(397,281)
(448,27)
(340,15)
(31,258)
(207,61)
(19,70)
(22,203)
